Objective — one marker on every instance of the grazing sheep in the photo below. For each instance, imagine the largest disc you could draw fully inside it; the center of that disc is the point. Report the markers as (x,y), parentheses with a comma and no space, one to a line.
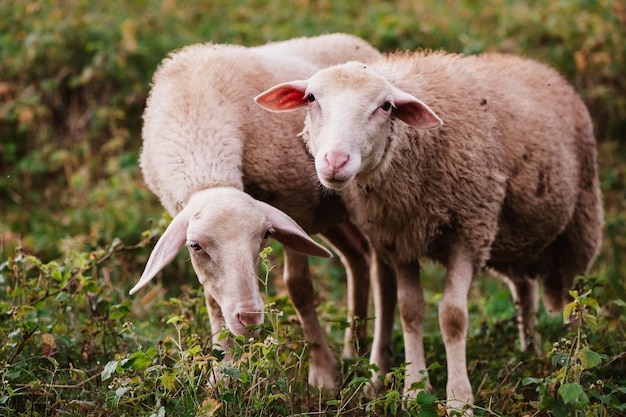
(498,169)
(230,176)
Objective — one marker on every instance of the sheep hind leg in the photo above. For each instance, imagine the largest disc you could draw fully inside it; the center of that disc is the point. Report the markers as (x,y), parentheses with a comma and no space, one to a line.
(453,320)
(354,251)
(323,367)
(524,291)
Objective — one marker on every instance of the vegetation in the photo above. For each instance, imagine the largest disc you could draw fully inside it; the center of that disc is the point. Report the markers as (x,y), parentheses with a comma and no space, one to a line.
(77,223)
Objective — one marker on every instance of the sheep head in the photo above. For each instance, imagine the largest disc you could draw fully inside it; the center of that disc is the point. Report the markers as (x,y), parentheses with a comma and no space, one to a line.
(349,119)
(225,229)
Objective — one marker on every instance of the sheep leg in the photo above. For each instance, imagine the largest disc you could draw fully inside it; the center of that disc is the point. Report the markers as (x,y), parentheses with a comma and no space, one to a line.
(323,367)
(218,324)
(384,292)
(411,305)
(453,321)
(524,291)
(353,249)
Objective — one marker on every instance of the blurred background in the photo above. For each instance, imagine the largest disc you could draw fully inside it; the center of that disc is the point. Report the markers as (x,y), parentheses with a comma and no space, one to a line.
(74,76)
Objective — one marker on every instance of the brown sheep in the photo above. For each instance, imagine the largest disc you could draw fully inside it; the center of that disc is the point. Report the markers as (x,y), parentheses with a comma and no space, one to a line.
(478,161)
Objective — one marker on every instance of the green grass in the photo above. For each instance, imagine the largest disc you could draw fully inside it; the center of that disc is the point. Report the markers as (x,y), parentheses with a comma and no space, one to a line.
(77,222)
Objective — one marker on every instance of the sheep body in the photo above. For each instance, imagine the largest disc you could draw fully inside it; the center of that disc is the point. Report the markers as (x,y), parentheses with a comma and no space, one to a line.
(206,145)
(506,171)
(509,180)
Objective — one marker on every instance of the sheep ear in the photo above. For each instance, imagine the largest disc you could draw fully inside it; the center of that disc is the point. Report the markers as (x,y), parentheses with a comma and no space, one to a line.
(165,250)
(414,111)
(283,97)
(290,234)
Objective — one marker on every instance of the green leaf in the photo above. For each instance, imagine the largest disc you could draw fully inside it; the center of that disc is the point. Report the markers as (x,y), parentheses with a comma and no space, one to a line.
(560,359)
(109,370)
(274,397)
(175,319)
(531,380)
(591,322)
(194,349)
(592,303)
(119,311)
(141,362)
(567,311)
(620,303)
(573,293)
(168,380)
(573,393)
(233,373)
(589,358)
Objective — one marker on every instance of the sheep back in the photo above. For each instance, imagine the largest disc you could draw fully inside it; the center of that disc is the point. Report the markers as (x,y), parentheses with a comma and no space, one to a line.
(324,50)
(197,121)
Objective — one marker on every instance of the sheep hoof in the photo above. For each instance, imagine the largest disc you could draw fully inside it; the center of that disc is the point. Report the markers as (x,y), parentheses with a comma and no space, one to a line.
(459,400)
(459,408)
(373,388)
(325,378)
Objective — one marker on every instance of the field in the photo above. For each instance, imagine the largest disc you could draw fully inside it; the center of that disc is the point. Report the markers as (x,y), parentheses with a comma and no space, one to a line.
(77,222)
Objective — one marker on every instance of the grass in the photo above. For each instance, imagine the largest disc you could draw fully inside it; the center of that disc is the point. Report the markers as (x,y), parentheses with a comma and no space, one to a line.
(77,223)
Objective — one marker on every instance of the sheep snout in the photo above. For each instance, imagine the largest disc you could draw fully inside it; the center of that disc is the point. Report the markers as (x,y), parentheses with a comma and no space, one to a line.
(336,160)
(250,318)
(242,315)
(336,169)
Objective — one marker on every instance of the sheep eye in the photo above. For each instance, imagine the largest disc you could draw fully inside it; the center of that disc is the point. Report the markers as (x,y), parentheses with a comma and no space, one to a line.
(195,246)
(310,98)
(386,106)
(267,234)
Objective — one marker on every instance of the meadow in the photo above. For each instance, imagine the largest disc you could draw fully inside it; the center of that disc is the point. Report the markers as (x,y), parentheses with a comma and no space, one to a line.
(77,222)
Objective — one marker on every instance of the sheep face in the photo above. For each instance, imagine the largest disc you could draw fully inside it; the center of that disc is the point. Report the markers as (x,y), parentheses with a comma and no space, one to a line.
(224,230)
(348,126)
(224,239)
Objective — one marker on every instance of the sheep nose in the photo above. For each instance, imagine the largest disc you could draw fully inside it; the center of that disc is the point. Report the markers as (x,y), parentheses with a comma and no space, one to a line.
(248,318)
(336,160)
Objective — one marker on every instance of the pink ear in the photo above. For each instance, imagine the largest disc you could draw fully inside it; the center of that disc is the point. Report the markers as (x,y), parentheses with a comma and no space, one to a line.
(415,112)
(283,97)
(290,234)
(165,250)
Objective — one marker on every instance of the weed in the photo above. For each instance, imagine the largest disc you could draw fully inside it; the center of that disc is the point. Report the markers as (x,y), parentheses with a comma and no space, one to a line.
(576,387)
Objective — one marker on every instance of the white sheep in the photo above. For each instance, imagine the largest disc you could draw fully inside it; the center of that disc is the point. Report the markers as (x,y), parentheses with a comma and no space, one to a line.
(498,169)
(231,177)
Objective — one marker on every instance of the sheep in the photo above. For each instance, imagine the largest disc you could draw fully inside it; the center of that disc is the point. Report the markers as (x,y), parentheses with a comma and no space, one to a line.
(473,161)
(218,166)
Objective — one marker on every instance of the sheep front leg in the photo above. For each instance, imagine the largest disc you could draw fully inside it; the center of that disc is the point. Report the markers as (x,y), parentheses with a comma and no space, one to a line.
(453,321)
(384,290)
(411,305)
(218,324)
(354,251)
(323,367)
